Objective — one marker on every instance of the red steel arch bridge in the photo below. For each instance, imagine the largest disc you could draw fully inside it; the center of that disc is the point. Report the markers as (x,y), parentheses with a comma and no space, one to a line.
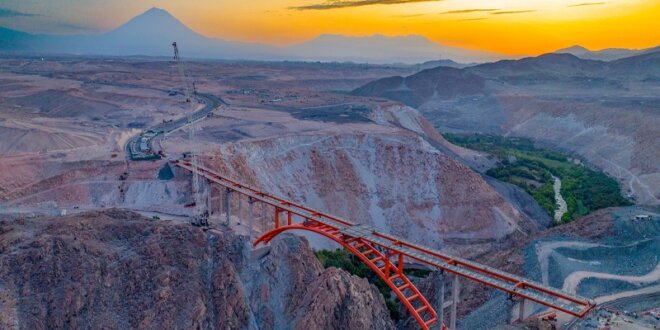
(387,255)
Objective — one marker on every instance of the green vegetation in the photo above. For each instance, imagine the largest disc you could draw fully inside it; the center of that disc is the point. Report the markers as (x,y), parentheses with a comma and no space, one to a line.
(345,260)
(532,168)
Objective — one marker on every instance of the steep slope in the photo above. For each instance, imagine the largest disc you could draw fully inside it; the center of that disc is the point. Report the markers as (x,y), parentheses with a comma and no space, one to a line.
(350,169)
(437,201)
(606,112)
(124,271)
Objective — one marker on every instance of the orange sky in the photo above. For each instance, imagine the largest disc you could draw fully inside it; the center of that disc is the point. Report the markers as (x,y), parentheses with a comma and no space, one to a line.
(549,24)
(515,27)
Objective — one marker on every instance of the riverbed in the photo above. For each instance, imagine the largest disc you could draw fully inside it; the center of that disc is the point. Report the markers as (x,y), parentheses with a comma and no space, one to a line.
(559,212)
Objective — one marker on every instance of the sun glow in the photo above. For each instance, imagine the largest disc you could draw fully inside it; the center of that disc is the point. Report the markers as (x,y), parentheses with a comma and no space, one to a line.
(511,27)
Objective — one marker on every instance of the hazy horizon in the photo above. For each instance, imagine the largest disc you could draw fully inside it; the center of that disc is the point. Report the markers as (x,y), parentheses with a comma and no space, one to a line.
(512,28)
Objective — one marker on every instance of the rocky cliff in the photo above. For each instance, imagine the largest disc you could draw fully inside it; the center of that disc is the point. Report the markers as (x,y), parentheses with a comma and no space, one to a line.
(117,269)
(436,199)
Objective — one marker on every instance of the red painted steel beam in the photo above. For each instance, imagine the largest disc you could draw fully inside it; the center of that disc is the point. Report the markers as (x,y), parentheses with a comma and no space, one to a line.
(399,290)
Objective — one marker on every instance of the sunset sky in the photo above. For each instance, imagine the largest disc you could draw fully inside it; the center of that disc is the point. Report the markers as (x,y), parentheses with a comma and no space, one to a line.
(516,27)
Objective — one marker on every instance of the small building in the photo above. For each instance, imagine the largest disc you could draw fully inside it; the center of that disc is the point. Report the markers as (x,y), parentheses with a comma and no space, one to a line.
(642,217)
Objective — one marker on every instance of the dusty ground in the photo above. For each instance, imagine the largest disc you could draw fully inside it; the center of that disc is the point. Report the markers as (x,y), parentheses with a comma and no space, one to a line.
(69,119)
(290,129)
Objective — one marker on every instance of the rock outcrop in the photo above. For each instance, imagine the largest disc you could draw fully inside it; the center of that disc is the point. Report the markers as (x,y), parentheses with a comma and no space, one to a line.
(437,199)
(120,270)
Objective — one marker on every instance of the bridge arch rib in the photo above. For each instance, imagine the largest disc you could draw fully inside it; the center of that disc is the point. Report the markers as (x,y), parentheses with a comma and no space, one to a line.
(379,263)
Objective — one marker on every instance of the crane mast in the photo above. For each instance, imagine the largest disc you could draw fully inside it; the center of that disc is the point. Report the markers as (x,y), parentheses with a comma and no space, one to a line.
(200,215)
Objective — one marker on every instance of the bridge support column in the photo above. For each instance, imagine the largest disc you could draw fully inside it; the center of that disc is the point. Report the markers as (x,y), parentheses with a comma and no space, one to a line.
(209,199)
(277,217)
(521,310)
(228,206)
(250,216)
(441,303)
(221,201)
(288,218)
(239,211)
(264,218)
(454,303)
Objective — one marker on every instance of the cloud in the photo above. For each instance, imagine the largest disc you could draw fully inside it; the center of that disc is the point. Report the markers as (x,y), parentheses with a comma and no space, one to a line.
(67,28)
(409,16)
(465,11)
(334,4)
(588,4)
(471,19)
(13,13)
(512,12)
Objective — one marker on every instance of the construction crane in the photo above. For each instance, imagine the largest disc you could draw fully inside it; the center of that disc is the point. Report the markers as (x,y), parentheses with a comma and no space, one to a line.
(200,214)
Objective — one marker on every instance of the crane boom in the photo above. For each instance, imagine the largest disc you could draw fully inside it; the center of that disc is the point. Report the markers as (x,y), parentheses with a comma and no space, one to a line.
(200,216)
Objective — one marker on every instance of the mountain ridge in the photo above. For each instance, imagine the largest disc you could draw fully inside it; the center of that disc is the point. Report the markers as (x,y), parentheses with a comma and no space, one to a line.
(606,54)
(552,98)
(151,33)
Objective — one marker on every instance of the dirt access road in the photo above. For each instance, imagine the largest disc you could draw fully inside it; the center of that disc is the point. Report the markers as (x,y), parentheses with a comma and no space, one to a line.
(134,151)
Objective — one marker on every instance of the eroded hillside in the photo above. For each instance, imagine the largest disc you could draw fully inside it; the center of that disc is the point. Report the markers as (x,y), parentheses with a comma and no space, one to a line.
(606,112)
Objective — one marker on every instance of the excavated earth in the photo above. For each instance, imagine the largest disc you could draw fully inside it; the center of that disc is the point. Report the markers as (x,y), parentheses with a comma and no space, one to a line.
(287,131)
(349,170)
(116,270)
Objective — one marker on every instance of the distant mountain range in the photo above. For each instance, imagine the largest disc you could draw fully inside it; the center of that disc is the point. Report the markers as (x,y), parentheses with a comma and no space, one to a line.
(152,33)
(608,54)
(444,83)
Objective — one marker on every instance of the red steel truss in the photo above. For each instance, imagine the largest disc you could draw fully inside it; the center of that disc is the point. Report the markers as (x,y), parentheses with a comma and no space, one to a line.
(377,250)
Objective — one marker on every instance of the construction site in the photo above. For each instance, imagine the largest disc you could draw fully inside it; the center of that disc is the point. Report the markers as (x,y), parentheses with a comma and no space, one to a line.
(386,255)
(251,167)
(201,192)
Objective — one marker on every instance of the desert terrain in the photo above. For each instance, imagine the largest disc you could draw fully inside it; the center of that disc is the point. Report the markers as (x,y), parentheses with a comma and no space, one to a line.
(296,130)
(606,113)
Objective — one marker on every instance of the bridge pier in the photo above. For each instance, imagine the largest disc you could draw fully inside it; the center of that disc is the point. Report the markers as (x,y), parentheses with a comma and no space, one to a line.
(454,303)
(228,206)
(264,217)
(221,201)
(239,210)
(209,198)
(277,217)
(521,310)
(441,302)
(250,216)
